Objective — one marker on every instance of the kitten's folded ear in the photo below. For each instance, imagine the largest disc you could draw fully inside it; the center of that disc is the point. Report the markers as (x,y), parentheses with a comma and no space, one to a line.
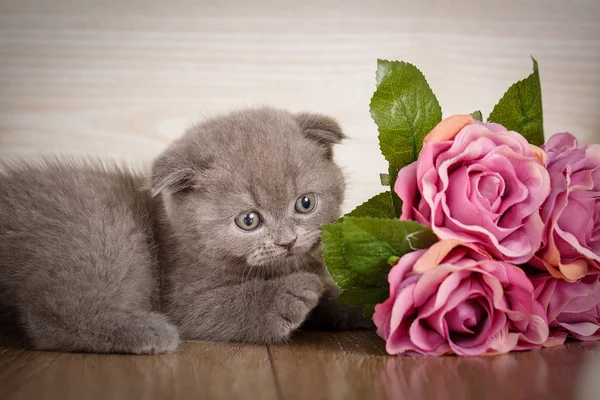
(322,129)
(174,170)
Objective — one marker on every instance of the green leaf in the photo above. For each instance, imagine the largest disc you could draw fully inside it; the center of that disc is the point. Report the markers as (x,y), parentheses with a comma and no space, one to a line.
(397,203)
(404,109)
(369,310)
(520,109)
(477,115)
(358,251)
(368,298)
(379,206)
(357,296)
(370,242)
(393,260)
(385,179)
(333,251)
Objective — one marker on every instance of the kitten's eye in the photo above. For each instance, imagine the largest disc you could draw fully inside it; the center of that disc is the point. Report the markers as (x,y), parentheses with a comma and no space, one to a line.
(306,203)
(248,220)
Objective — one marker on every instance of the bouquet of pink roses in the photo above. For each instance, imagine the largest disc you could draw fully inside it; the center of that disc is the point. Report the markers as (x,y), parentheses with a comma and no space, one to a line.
(486,243)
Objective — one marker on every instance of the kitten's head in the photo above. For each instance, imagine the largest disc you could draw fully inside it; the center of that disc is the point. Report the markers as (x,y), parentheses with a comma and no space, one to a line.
(252,188)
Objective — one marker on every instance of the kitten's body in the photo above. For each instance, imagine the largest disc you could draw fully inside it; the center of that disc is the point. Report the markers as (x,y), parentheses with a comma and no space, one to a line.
(78,259)
(96,258)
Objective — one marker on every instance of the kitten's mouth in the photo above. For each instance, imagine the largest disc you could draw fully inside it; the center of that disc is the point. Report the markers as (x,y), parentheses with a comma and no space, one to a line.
(292,254)
(296,252)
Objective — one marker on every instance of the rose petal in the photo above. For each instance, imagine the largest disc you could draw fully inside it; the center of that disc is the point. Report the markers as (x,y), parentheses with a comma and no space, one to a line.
(465,317)
(540,154)
(560,142)
(503,341)
(448,128)
(434,255)
(406,188)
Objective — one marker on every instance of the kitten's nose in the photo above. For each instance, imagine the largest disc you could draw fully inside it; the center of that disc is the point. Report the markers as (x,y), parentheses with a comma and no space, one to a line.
(289,244)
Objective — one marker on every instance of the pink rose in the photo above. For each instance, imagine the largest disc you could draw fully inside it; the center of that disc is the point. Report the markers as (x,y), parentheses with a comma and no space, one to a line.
(572,307)
(455,299)
(480,184)
(571,214)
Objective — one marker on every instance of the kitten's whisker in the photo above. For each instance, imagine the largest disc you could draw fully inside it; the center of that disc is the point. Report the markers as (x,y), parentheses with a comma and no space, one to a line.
(244,300)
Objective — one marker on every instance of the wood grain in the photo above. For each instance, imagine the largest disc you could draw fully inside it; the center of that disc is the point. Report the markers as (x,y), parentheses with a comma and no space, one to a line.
(353,366)
(334,366)
(123,78)
(313,366)
(197,371)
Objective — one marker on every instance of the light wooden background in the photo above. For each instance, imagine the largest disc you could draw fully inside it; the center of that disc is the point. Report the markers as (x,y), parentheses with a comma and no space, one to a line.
(123,78)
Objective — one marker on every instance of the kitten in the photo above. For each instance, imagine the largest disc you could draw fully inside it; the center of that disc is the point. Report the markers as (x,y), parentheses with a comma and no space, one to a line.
(221,242)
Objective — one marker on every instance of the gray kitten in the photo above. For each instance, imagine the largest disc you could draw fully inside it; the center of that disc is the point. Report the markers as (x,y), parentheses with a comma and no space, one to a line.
(221,242)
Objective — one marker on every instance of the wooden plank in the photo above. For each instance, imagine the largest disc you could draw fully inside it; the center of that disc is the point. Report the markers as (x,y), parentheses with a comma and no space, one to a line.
(351,365)
(197,371)
(322,365)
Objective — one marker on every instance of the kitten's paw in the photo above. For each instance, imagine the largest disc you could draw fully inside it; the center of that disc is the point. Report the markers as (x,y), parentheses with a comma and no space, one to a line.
(297,296)
(151,335)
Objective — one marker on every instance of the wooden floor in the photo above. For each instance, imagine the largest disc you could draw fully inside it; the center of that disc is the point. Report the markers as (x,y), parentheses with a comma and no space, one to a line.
(314,365)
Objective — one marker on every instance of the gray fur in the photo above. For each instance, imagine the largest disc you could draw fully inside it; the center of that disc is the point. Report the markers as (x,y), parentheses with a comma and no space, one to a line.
(98,258)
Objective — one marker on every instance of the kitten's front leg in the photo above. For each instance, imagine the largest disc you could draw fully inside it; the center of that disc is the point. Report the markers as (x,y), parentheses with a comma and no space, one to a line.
(257,311)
